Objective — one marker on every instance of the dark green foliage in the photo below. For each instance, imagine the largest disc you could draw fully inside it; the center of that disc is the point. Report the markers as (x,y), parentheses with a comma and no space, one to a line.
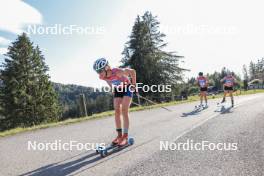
(256,70)
(27,95)
(193,90)
(144,53)
(254,74)
(69,98)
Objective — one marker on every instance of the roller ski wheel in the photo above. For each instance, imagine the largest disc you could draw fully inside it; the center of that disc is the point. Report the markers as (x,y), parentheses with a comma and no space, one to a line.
(103,153)
(98,149)
(130,141)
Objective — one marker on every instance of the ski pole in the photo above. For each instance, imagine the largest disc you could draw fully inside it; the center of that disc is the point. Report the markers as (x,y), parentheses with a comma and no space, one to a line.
(136,103)
(153,102)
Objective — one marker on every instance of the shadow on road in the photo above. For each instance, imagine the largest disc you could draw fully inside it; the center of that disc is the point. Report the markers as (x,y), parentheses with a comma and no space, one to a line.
(224,110)
(193,112)
(64,168)
(79,165)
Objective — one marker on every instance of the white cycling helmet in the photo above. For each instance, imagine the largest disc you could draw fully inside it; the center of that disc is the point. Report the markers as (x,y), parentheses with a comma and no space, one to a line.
(100,64)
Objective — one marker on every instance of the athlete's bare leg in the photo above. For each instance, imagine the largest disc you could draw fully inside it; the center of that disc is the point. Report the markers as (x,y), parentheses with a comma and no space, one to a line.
(201,97)
(125,107)
(232,97)
(117,106)
(205,97)
(126,101)
(225,92)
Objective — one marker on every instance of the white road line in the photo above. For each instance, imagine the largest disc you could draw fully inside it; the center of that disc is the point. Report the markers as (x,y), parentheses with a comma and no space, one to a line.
(210,117)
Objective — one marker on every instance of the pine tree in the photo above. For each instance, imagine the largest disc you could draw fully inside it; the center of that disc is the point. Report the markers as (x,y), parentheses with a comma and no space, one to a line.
(252,71)
(27,95)
(260,69)
(245,73)
(144,53)
(246,77)
(215,78)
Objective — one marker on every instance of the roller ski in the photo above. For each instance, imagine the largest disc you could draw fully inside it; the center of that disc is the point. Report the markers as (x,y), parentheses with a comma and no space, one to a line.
(113,144)
(118,144)
(201,107)
(223,102)
(222,106)
(196,110)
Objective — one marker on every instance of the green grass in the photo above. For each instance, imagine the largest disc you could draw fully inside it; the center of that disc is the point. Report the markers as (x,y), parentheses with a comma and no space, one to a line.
(109,113)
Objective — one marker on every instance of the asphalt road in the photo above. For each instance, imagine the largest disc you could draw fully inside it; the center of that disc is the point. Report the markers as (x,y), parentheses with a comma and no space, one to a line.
(241,127)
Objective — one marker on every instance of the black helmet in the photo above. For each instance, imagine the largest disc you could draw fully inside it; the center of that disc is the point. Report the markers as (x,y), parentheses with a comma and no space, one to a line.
(200,73)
